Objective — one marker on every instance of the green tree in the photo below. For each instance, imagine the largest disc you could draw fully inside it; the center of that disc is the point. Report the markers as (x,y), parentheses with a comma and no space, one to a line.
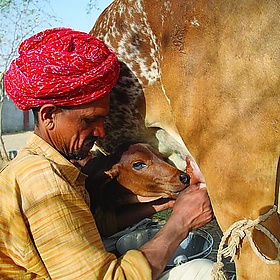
(19,20)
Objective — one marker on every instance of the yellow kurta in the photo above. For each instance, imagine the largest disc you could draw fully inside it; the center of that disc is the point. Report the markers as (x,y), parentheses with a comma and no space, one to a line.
(46,228)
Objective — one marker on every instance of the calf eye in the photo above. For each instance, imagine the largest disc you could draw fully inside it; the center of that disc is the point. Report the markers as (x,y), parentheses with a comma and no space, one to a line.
(139,165)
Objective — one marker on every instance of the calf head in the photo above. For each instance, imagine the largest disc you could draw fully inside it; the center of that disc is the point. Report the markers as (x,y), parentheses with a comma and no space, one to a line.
(144,172)
(136,173)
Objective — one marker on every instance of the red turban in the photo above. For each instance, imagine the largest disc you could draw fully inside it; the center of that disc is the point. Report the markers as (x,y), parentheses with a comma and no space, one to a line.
(63,67)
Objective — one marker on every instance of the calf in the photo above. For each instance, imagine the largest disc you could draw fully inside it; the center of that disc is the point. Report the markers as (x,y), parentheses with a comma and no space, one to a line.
(134,173)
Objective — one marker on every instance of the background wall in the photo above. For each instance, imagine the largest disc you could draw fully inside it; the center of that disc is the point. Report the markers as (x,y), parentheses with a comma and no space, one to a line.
(15,120)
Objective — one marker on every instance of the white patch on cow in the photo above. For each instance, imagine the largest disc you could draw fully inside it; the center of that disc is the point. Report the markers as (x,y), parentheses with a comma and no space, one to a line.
(194,22)
(127,48)
(148,72)
(172,146)
(122,8)
(167,6)
(164,92)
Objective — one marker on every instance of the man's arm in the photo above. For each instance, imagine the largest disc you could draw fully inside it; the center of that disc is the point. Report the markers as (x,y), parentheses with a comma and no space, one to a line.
(192,209)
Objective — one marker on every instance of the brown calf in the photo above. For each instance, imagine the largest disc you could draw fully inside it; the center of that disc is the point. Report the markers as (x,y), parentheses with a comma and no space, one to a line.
(134,173)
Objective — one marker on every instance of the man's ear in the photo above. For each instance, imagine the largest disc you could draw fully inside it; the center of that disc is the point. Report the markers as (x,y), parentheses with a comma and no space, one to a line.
(114,171)
(47,115)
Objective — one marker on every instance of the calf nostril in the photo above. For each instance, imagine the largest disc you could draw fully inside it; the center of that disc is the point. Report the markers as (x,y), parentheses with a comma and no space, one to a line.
(185,178)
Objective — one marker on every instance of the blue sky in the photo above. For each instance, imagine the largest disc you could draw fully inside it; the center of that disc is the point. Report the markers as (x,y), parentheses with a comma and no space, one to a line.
(73,13)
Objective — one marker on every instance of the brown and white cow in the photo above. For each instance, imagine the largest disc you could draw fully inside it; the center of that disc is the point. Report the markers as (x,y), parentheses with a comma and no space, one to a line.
(205,75)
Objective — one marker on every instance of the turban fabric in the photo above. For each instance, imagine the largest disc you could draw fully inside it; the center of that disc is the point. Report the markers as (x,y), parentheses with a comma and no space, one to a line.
(62,67)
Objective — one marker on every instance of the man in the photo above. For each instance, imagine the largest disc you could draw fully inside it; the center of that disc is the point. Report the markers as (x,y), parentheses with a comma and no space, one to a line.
(46,228)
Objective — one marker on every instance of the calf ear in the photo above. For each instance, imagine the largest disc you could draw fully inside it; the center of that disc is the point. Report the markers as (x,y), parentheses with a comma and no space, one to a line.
(114,171)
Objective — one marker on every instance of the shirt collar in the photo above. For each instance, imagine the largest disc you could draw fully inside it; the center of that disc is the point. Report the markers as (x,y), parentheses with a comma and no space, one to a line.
(41,147)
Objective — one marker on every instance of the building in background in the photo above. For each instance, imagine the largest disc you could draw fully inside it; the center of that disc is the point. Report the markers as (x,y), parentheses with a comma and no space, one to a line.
(15,120)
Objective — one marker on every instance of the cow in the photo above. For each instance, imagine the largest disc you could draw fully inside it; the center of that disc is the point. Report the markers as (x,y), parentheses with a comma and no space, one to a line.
(203,78)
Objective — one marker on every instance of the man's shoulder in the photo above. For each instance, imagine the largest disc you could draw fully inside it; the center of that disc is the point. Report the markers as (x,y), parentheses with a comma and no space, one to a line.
(27,162)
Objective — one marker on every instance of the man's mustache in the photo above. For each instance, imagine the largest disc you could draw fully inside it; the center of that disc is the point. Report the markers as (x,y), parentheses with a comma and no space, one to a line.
(90,140)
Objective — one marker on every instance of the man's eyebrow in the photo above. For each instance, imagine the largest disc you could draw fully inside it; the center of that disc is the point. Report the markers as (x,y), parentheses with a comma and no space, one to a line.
(92,118)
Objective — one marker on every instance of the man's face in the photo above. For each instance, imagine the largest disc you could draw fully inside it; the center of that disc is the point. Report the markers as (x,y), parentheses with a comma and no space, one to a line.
(77,128)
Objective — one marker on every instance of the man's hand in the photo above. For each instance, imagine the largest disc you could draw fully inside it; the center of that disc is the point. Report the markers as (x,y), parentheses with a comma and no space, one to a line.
(192,208)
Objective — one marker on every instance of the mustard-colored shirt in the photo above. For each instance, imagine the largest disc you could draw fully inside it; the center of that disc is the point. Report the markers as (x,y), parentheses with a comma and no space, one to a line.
(46,228)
